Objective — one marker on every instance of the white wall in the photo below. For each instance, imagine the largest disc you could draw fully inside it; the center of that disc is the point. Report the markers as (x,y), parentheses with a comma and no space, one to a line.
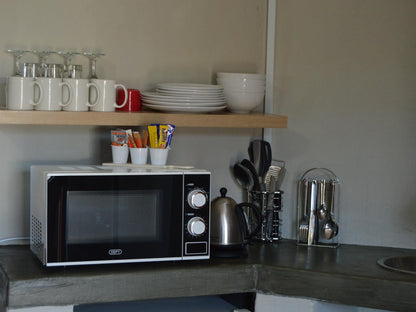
(346,77)
(145,42)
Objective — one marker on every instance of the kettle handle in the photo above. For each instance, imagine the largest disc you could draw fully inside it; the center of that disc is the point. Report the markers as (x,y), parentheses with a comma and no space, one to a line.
(243,218)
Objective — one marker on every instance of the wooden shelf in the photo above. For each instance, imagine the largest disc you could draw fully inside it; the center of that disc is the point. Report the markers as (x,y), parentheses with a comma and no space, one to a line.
(225,120)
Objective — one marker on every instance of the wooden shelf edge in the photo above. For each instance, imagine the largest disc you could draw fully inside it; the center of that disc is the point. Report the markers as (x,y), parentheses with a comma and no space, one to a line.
(224,120)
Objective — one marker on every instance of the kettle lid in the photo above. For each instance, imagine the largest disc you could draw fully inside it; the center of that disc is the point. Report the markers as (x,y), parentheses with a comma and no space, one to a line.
(223,199)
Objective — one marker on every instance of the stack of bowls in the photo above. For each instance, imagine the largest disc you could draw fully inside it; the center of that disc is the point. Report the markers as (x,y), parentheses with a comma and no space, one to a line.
(243,92)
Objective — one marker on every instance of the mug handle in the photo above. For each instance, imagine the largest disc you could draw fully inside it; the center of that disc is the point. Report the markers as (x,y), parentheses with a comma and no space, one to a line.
(92,84)
(125,95)
(33,102)
(64,83)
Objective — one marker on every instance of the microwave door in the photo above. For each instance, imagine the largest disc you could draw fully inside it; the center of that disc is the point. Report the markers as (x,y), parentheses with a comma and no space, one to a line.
(127,221)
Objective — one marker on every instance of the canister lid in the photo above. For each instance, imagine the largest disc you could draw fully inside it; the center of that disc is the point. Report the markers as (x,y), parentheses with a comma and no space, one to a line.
(320,174)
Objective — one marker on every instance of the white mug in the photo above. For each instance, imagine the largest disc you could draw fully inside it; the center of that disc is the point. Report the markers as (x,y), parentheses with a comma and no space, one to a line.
(80,91)
(51,90)
(20,93)
(107,96)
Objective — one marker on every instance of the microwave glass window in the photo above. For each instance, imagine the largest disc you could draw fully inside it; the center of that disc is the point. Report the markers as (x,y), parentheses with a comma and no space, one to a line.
(91,216)
(109,217)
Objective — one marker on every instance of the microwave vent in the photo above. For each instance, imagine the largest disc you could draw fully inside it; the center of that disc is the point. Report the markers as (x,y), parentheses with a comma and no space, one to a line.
(36,235)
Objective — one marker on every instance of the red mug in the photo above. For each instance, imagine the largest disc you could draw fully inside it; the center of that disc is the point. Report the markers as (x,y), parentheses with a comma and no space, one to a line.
(133,100)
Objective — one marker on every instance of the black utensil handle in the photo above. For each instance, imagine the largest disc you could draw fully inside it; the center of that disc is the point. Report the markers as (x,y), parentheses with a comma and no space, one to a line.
(240,212)
(268,154)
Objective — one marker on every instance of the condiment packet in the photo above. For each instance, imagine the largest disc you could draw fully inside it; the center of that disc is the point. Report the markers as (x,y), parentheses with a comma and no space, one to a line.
(119,137)
(160,135)
(130,139)
(153,139)
(138,139)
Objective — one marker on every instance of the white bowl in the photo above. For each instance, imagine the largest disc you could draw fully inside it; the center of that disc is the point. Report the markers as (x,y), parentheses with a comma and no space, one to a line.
(241,76)
(242,102)
(243,87)
(236,82)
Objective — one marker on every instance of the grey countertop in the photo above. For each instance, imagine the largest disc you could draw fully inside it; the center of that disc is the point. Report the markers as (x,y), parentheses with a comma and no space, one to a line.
(347,275)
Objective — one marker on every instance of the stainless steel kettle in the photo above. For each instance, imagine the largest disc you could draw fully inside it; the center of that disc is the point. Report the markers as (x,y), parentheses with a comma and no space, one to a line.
(229,229)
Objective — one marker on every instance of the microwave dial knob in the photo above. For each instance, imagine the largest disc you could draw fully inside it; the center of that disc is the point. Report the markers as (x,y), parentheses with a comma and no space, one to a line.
(197,198)
(196,226)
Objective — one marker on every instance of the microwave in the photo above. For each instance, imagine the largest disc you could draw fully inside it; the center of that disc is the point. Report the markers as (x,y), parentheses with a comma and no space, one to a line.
(83,215)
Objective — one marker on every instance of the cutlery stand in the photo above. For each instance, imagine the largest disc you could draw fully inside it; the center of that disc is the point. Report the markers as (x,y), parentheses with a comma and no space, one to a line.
(270,205)
(317,209)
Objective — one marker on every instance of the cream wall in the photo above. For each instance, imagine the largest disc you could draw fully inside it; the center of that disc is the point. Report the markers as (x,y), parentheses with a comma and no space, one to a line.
(145,42)
(346,77)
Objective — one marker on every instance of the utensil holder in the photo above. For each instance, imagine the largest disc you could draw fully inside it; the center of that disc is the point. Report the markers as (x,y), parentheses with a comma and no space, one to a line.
(270,205)
(317,208)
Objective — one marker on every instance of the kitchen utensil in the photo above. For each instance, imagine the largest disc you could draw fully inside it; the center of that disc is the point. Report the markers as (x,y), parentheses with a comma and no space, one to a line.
(159,156)
(243,92)
(265,158)
(312,213)
(120,154)
(52,71)
(184,108)
(261,156)
(330,228)
(271,178)
(304,222)
(133,100)
(70,71)
(51,98)
(93,56)
(80,98)
(138,155)
(282,173)
(250,166)
(243,176)
(269,204)
(322,211)
(107,95)
(17,55)
(73,71)
(31,70)
(42,59)
(254,153)
(20,93)
(185,97)
(229,229)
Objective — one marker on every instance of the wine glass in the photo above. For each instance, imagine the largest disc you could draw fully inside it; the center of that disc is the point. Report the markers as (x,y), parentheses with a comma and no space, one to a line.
(42,59)
(17,54)
(93,62)
(67,60)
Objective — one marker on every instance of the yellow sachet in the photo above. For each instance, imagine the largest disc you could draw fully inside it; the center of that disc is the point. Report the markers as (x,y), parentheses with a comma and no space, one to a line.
(153,136)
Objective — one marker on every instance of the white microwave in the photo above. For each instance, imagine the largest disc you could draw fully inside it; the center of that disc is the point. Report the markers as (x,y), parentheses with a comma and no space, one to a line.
(102,214)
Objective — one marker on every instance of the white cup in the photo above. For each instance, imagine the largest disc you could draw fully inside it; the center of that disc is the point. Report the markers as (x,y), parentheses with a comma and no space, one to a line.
(80,93)
(51,90)
(159,156)
(138,155)
(120,154)
(20,93)
(106,98)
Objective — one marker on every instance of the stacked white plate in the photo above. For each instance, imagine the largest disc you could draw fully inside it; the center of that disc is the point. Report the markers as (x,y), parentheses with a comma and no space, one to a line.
(185,97)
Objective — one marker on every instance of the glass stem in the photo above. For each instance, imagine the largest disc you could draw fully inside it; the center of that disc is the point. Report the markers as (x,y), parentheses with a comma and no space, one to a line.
(17,58)
(93,68)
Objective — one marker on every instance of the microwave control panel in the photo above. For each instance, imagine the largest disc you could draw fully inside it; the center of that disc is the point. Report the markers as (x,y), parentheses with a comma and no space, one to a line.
(196,215)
